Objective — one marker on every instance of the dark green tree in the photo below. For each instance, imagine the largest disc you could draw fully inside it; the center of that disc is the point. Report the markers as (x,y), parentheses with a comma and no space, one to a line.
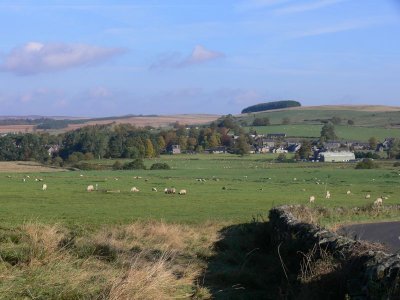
(328,132)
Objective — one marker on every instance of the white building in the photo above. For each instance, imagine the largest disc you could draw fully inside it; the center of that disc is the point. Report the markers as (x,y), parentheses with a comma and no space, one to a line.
(341,156)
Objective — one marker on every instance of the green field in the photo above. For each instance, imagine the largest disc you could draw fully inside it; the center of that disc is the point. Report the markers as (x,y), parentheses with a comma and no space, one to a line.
(343,132)
(314,115)
(236,189)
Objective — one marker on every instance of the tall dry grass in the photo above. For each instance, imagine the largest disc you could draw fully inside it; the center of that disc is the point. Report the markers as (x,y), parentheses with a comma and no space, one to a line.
(142,260)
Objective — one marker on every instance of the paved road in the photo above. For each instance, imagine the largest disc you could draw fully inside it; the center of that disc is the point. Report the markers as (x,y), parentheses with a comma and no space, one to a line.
(387,233)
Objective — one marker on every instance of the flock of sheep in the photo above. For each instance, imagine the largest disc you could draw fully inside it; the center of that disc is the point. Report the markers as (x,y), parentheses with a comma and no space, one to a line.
(377,202)
(91,188)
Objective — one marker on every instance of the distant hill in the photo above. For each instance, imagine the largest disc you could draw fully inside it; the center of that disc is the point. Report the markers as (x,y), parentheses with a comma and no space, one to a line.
(271,106)
(61,124)
(358,115)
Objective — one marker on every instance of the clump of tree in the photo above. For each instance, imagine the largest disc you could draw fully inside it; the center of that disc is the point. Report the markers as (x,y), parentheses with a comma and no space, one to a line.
(336,120)
(360,154)
(242,146)
(160,166)
(261,122)
(117,165)
(286,121)
(366,163)
(134,165)
(305,150)
(271,106)
(328,132)
(350,122)
(373,142)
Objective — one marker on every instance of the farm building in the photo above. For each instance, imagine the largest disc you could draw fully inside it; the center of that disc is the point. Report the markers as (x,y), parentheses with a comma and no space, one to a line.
(174,149)
(336,156)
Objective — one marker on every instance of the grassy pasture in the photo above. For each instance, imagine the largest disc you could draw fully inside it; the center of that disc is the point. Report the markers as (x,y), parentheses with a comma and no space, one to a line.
(314,115)
(342,131)
(252,185)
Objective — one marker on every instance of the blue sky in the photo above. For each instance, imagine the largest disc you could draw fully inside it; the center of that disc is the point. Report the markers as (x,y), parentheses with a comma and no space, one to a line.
(101,58)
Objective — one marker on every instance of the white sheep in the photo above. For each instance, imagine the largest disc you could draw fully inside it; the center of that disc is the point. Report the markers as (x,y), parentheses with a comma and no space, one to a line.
(154,189)
(312,199)
(328,195)
(134,190)
(378,201)
(182,192)
(90,188)
(44,187)
(348,192)
(170,190)
(367,196)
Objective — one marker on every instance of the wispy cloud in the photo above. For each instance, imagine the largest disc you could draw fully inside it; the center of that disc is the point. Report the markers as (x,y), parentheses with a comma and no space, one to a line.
(304,7)
(35,57)
(345,26)
(199,55)
(257,4)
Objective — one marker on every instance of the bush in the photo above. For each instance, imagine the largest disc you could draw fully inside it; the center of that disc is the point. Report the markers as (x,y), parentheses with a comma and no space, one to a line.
(261,122)
(160,166)
(360,154)
(117,165)
(135,164)
(396,164)
(87,166)
(366,163)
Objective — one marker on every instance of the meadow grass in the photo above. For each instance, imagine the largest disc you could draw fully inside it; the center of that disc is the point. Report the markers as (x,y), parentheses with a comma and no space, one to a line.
(344,132)
(67,243)
(236,190)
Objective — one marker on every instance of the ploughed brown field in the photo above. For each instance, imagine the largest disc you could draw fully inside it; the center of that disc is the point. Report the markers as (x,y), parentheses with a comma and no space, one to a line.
(154,121)
(25,166)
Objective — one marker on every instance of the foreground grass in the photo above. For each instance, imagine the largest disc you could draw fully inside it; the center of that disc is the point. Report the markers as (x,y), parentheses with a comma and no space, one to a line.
(137,261)
(235,190)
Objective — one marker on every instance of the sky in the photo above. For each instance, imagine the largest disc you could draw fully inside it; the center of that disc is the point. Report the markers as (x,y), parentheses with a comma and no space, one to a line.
(109,58)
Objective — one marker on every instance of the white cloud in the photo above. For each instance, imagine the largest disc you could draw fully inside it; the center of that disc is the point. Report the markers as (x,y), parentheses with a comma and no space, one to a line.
(299,8)
(36,57)
(199,55)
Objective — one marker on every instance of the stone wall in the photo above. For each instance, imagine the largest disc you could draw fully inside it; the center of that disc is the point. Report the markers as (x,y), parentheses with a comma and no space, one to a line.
(372,274)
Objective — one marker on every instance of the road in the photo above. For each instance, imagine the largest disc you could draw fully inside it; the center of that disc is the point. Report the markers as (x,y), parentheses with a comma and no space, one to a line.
(387,233)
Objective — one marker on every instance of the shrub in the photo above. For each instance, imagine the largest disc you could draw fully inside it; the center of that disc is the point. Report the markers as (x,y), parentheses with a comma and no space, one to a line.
(135,164)
(396,164)
(366,163)
(117,165)
(87,166)
(261,122)
(160,166)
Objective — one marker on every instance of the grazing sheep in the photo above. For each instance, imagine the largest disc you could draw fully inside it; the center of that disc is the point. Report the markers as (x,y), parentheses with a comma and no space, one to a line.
(90,188)
(44,187)
(36,179)
(378,201)
(312,199)
(348,192)
(134,190)
(328,195)
(23,179)
(182,192)
(367,196)
(154,189)
(170,190)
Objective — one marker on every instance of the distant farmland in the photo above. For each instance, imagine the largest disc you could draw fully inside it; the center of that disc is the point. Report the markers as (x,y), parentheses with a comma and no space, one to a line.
(342,131)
